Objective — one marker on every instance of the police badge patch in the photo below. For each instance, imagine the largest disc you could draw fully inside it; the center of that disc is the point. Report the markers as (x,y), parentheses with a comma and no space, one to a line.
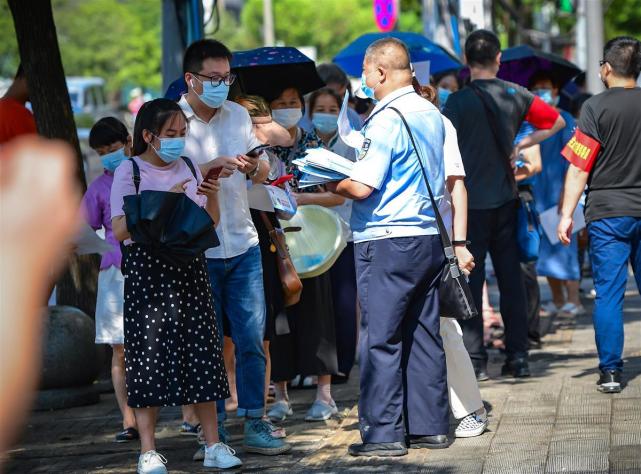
(364,149)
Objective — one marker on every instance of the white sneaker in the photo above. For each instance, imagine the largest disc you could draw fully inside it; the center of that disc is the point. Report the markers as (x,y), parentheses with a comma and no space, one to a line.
(549,308)
(472,425)
(280,410)
(152,462)
(572,309)
(221,456)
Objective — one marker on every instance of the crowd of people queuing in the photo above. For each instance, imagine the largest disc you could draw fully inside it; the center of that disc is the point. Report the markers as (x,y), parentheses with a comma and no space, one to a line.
(214,331)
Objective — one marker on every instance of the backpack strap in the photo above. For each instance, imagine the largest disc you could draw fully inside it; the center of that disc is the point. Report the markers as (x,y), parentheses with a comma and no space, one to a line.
(136,174)
(504,148)
(191,166)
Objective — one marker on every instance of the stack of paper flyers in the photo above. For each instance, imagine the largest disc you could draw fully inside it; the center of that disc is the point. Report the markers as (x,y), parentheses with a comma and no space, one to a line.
(320,166)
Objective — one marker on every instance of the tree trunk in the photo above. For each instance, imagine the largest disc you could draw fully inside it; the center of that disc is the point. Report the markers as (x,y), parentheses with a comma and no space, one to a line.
(40,57)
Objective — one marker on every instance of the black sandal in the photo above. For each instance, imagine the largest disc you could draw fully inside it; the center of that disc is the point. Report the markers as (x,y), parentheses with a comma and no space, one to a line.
(129,434)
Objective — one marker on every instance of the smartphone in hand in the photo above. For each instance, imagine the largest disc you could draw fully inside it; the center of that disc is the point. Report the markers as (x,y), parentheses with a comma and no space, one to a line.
(254,152)
(213,173)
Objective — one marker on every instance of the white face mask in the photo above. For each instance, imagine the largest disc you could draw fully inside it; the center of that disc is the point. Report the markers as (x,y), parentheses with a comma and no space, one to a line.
(287,118)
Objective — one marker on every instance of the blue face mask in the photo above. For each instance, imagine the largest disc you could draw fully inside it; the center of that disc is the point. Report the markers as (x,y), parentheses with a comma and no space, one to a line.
(110,161)
(367,90)
(325,123)
(213,96)
(546,96)
(170,148)
(443,95)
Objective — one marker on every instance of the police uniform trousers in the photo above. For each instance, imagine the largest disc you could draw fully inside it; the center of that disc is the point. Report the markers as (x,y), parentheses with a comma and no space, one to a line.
(402,363)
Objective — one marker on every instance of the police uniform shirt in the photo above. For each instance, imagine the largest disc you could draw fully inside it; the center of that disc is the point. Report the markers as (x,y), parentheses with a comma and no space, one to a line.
(399,205)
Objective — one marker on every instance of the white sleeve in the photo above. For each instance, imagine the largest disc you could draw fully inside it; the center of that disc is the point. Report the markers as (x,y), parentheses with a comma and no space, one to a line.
(451,153)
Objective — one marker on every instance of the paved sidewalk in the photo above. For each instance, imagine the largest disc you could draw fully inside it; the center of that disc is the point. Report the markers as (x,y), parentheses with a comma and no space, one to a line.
(555,421)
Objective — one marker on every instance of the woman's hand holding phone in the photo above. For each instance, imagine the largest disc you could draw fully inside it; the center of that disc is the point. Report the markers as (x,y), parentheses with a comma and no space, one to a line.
(209,187)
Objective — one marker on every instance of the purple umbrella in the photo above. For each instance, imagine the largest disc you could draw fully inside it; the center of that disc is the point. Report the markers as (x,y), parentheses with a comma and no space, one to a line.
(520,63)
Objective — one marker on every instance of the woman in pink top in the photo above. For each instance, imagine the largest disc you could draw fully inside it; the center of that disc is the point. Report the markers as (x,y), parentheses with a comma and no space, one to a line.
(173,352)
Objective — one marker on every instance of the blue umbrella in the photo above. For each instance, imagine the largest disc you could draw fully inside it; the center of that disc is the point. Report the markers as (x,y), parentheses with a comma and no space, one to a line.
(351,57)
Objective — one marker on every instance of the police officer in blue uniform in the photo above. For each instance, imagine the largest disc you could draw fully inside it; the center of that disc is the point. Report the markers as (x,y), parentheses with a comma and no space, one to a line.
(399,259)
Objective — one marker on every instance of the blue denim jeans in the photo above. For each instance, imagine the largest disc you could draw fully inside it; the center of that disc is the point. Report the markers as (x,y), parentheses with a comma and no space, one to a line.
(237,285)
(613,242)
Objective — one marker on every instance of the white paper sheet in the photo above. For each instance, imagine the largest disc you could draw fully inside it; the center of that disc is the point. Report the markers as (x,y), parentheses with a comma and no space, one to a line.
(259,198)
(351,137)
(87,241)
(422,72)
(550,219)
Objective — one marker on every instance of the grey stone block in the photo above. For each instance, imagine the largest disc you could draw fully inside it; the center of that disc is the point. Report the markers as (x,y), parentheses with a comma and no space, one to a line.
(69,357)
(577,463)
(564,447)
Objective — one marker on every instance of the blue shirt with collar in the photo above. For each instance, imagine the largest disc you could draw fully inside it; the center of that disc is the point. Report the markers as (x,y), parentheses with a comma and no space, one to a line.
(399,205)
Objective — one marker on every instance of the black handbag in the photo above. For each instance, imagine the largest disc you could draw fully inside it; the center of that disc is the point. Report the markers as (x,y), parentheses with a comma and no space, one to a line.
(455,297)
(172,225)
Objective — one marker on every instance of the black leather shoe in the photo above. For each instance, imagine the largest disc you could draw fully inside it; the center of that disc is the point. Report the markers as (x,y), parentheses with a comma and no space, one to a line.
(430,442)
(534,344)
(480,370)
(517,367)
(378,449)
(609,381)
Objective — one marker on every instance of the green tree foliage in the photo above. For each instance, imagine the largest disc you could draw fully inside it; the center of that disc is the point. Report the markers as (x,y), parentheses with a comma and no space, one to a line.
(623,17)
(328,25)
(118,40)
(8,47)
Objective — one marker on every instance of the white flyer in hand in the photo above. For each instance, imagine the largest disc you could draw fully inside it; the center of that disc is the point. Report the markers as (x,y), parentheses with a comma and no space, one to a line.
(550,219)
(259,198)
(88,241)
(328,160)
(351,137)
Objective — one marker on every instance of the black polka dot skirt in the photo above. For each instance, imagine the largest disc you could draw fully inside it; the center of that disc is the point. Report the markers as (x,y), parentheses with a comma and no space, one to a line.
(173,353)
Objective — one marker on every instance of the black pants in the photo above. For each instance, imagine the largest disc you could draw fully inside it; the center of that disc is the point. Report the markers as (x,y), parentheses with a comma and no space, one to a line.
(310,347)
(494,231)
(343,275)
(533,295)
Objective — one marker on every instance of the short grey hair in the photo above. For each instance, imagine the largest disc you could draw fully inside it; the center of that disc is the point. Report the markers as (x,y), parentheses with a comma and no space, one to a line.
(390,53)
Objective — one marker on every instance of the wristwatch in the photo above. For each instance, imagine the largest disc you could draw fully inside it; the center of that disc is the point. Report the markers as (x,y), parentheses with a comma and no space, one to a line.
(464,243)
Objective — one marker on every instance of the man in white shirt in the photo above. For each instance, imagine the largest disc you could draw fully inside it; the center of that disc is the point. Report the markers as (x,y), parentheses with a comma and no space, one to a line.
(220,136)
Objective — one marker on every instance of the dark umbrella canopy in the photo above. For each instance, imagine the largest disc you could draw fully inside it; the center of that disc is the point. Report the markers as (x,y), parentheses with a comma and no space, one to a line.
(351,57)
(268,71)
(520,63)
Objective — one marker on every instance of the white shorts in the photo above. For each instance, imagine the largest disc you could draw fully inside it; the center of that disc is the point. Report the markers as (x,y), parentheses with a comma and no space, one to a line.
(109,307)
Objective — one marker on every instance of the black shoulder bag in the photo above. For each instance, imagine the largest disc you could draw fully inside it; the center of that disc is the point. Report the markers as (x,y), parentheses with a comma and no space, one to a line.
(454,293)
(169,223)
